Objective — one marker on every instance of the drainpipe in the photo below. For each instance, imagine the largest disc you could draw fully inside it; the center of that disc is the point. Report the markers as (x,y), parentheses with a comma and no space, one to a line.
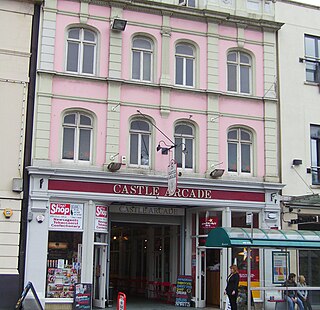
(28,139)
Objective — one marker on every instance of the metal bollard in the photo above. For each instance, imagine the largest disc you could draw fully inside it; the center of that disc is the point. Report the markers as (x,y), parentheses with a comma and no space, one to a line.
(121,301)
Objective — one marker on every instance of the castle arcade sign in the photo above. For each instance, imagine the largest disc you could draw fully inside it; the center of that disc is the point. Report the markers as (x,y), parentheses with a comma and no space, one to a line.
(153,191)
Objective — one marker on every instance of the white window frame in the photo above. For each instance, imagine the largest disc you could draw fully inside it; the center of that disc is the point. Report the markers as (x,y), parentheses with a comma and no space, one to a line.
(183,145)
(81,42)
(239,144)
(142,53)
(238,65)
(139,152)
(315,169)
(313,61)
(77,128)
(184,68)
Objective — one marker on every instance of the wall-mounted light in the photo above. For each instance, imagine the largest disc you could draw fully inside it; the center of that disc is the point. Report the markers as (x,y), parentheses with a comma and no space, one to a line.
(119,24)
(114,166)
(216,173)
(166,148)
(297,162)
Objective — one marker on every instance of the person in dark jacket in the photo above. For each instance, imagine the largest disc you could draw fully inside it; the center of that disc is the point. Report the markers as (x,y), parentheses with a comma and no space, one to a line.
(232,286)
(291,296)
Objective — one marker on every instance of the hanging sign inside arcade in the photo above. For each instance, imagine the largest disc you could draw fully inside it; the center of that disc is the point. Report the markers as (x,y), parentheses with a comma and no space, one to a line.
(101,219)
(65,216)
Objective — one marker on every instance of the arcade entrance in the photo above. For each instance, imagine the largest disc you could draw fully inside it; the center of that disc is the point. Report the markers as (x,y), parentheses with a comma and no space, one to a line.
(144,259)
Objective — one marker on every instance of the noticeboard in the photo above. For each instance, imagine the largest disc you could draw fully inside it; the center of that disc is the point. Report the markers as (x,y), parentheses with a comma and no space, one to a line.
(183,291)
(82,298)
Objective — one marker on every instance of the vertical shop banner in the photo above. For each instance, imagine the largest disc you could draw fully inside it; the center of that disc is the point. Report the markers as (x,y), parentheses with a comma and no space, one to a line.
(101,218)
(83,296)
(184,291)
(65,216)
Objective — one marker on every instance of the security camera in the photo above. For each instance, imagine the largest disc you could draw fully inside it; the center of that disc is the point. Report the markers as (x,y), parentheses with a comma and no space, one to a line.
(40,218)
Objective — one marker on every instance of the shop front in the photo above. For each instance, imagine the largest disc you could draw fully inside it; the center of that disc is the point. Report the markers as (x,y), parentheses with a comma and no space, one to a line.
(132,236)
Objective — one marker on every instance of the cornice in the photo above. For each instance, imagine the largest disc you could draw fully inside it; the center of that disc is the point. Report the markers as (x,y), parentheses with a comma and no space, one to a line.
(152,180)
(187,12)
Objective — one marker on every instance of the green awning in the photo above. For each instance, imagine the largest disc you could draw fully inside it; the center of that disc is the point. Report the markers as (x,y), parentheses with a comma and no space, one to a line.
(262,238)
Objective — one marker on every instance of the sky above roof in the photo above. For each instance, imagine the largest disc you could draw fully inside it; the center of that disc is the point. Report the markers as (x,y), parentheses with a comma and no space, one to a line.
(314,2)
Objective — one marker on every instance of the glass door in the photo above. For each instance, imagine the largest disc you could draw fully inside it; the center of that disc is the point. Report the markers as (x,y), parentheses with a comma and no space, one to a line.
(99,275)
(201,279)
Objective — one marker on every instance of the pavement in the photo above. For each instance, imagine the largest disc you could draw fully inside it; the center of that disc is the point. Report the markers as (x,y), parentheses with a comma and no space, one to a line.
(138,304)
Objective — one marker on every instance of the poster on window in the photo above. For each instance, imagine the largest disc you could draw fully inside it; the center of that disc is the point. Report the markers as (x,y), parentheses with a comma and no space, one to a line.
(65,216)
(101,219)
(280,264)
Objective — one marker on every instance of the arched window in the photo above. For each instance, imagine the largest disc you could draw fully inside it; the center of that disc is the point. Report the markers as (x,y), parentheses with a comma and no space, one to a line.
(142,59)
(239,150)
(140,139)
(81,51)
(184,150)
(77,137)
(185,64)
(239,72)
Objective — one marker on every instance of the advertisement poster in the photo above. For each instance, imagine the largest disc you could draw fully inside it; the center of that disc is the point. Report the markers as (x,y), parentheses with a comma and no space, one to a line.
(184,291)
(280,263)
(65,216)
(82,298)
(101,219)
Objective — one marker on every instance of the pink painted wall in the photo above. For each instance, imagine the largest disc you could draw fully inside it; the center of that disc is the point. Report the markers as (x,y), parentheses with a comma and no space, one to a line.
(151,96)
(80,88)
(140,95)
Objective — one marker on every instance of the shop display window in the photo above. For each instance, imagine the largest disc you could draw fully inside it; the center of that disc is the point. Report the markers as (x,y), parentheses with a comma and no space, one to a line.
(63,263)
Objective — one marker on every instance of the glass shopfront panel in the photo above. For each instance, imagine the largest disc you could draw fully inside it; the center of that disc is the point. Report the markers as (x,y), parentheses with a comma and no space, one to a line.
(63,263)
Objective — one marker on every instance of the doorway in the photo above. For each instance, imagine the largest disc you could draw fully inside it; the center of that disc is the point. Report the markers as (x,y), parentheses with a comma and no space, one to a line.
(143,255)
(99,271)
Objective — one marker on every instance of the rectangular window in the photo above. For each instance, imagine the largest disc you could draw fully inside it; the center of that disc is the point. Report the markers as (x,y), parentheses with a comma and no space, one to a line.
(232,157)
(147,67)
(134,149)
(88,58)
(73,57)
(136,65)
(232,77)
(179,70)
(312,56)
(68,143)
(315,154)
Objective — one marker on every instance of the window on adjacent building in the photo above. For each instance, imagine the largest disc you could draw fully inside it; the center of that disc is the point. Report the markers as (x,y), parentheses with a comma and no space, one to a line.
(312,56)
(315,153)
(239,150)
(142,54)
(184,150)
(185,64)
(77,137)
(140,139)
(191,3)
(81,51)
(239,73)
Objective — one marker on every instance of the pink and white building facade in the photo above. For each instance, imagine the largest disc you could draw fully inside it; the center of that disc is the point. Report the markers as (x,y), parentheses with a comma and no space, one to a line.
(184,82)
